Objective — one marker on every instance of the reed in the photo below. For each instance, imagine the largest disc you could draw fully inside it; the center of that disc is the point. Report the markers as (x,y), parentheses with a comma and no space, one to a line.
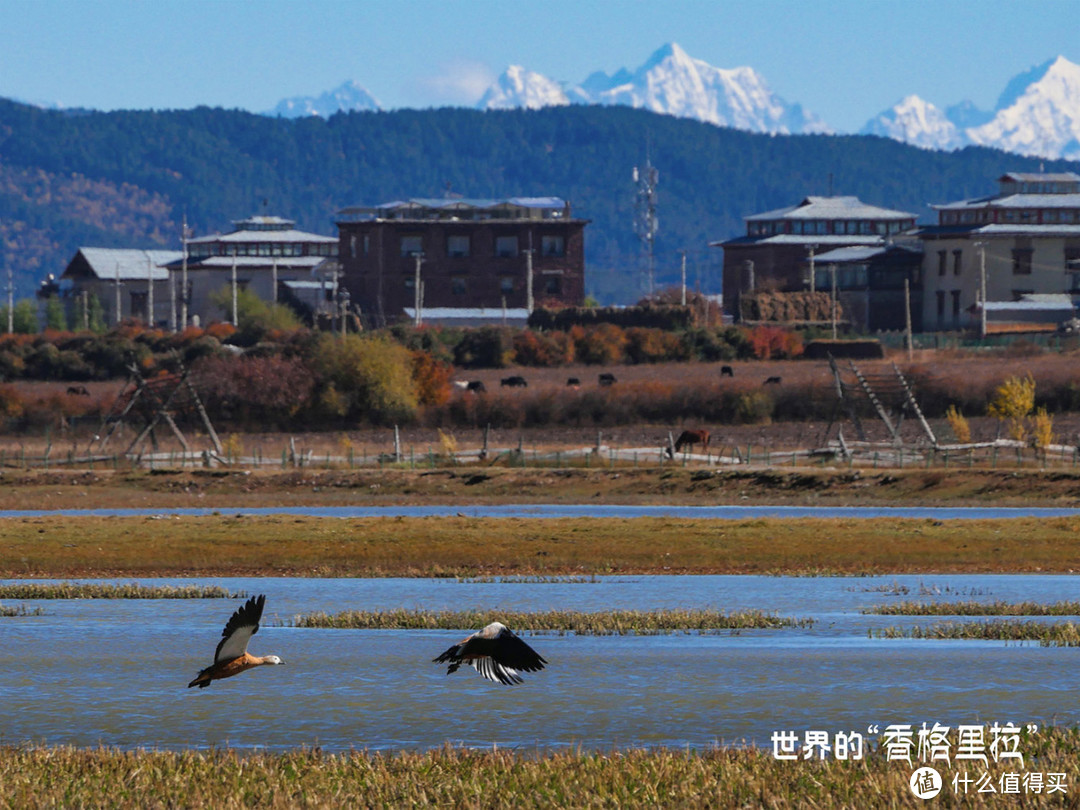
(605,623)
(19,610)
(453,777)
(976,609)
(1057,634)
(93,590)
(531,580)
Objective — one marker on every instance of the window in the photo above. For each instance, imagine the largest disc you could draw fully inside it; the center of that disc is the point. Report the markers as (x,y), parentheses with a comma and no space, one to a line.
(940,305)
(957,264)
(367,243)
(457,285)
(411,245)
(552,246)
(506,246)
(956,307)
(457,246)
(139,301)
(941,259)
(1022,261)
(552,285)
(506,285)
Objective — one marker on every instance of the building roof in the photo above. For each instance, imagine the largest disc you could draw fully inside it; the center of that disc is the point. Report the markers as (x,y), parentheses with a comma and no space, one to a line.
(124,263)
(555,207)
(863,253)
(806,240)
(249,262)
(461,314)
(831,208)
(245,236)
(1033,302)
(1070,200)
(998,229)
(1038,177)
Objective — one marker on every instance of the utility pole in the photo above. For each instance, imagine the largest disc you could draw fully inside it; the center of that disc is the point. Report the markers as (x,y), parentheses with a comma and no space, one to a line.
(172,302)
(907,319)
(529,281)
(813,277)
(235,314)
(149,292)
(832,298)
(682,287)
(116,285)
(10,301)
(418,299)
(645,215)
(273,283)
(982,288)
(750,282)
(183,275)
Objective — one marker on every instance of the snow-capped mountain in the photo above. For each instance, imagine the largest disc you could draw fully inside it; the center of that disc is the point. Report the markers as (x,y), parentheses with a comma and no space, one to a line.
(670,82)
(1037,114)
(349,97)
(1043,120)
(916,122)
(518,87)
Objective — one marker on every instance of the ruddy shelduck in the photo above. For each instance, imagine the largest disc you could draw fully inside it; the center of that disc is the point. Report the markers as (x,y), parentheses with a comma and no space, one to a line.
(232,657)
(496,653)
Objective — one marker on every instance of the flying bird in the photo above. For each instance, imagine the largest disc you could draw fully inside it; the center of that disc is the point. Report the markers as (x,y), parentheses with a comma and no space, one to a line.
(496,653)
(231,657)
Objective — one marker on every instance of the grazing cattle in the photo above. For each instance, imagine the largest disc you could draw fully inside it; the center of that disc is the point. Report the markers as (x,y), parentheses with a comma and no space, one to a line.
(476,386)
(462,384)
(727,371)
(607,379)
(688,438)
(514,382)
(231,657)
(574,382)
(496,653)
(772,381)
(78,390)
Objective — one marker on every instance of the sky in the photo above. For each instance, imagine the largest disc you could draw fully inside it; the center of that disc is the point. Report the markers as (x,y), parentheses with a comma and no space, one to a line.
(843,60)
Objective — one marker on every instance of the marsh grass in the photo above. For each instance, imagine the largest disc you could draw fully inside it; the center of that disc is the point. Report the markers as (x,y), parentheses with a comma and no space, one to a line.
(613,622)
(19,610)
(593,579)
(969,608)
(1057,634)
(454,777)
(93,590)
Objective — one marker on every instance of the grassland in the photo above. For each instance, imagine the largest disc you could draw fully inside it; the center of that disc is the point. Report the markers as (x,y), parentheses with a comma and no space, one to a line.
(224,545)
(611,622)
(724,777)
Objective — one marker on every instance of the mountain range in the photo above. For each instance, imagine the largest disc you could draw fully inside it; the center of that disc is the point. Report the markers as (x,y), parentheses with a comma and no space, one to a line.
(1037,114)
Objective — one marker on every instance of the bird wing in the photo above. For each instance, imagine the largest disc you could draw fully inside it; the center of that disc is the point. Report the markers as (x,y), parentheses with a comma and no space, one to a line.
(242,625)
(511,652)
(494,671)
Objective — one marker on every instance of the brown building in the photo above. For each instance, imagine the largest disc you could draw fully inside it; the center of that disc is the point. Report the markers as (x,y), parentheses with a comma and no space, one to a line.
(471,254)
(779,249)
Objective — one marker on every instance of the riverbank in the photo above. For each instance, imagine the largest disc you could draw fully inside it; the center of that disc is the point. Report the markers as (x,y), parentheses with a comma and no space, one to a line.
(672,484)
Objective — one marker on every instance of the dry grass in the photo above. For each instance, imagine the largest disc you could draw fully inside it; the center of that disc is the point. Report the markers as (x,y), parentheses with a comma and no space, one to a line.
(93,590)
(1057,634)
(223,545)
(604,623)
(718,778)
(977,609)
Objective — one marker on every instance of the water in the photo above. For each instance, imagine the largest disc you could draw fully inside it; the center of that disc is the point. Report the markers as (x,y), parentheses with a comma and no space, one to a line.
(114,672)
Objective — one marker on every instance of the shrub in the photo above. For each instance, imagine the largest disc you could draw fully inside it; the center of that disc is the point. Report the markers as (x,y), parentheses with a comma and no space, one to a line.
(960,427)
(1042,429)
(600,345)
(486,347)
(1013,401)
(257,392)
(371,377)
(432,378)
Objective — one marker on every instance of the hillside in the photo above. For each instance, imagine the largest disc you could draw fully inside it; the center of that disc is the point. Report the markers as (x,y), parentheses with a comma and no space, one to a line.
(127,178)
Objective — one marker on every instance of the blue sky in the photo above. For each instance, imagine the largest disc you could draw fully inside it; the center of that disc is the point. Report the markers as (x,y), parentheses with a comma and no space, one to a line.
(843,60)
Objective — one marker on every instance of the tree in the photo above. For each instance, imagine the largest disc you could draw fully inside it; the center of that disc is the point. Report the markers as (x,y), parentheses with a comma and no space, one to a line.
(55,315)
(1013,400)
(26,320)
(367,378)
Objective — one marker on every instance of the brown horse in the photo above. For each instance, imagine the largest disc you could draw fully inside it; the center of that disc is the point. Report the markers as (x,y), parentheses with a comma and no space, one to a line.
(688,438)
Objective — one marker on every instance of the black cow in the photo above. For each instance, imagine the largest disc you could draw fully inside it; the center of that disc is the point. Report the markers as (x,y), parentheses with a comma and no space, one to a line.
(772,381)
(727,371)
(476,386)
(514,382)
(78,390)
(574,382)
(607,379)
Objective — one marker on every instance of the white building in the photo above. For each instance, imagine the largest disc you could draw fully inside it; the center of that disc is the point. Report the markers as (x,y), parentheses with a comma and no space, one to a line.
(123,280)
(1024,240)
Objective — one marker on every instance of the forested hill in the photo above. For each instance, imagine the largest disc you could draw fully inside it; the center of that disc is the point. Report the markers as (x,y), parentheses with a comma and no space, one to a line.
(125,179)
